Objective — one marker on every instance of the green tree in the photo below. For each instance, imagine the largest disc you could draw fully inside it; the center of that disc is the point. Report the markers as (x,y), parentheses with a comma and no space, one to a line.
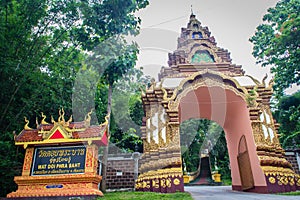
(276,43)
(112,61)
(288,116)
(127,110)
(41,45)
(199,134)
(29,38)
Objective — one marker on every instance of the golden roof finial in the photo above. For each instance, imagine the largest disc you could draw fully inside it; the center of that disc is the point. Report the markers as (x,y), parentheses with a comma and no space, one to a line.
(153,84)
(15,135)
(44,119)
(69,121)
(142,90)
(52,120)
(26,127)
(271,83)
(36,122)
(59,117)
(264,79)
(107,118)
(87,118)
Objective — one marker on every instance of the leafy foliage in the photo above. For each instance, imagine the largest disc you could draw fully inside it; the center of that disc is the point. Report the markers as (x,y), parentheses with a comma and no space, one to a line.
(199,134)
(288,115)
(127,111)
(41,51)
(276,43)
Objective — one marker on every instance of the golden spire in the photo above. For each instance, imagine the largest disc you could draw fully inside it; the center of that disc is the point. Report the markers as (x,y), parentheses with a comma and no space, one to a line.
(36,122)
(69,121)
(44,119)
(87,118)
(52,120)
(264,79)
(63,115)
(61,118)
(26,127)
(107,117)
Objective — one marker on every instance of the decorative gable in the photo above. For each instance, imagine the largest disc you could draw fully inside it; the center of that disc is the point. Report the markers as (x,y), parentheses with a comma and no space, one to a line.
(57,132)
(61,131)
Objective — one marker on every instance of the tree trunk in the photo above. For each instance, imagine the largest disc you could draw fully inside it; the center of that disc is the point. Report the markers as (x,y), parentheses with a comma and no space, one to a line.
(105,150)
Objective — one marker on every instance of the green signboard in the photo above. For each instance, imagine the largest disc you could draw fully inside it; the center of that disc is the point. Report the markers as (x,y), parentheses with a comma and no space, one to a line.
(58,160)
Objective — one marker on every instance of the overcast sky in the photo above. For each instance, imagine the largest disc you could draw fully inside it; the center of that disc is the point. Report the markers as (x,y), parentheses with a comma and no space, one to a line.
(231,22)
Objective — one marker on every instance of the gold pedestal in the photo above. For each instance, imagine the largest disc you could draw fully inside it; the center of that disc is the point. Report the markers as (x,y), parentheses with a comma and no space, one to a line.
(62,185)
(186,179)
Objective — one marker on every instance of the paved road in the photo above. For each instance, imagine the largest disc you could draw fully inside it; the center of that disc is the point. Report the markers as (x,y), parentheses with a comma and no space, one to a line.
(225,193)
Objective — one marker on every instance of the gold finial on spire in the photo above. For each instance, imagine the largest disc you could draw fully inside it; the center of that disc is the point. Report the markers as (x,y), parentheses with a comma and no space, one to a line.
(44,119)
(87,118)
(107,117)
(52,120)
(26,127)
(264,79)
(63,115)
(61,118)
(271,83)
(69,121)
(36,122)
(153,84)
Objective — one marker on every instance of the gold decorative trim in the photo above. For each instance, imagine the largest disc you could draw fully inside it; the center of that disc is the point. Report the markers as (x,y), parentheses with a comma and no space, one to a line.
(58,141)
(185,83)
(272,180)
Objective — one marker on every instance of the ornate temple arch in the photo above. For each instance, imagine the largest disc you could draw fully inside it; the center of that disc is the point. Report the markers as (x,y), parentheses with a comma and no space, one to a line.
(207,78)
(218,91)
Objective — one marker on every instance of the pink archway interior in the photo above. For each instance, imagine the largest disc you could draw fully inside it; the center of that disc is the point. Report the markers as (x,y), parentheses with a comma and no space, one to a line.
(230,111)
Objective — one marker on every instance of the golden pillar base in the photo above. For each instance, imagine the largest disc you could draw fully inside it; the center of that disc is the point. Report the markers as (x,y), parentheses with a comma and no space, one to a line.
(186,179)
(57,186)
(217,178)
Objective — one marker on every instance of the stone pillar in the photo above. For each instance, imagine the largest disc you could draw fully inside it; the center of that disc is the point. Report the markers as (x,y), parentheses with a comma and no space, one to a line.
(136,156)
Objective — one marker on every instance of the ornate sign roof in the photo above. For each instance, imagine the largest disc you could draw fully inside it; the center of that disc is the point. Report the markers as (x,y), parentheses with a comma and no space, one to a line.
(62,131)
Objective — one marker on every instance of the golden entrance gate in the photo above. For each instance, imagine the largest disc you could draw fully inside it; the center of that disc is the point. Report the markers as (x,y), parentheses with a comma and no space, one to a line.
(201,82)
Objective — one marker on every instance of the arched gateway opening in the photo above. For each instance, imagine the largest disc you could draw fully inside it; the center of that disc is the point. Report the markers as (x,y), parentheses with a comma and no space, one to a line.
(229,109)
(216,90)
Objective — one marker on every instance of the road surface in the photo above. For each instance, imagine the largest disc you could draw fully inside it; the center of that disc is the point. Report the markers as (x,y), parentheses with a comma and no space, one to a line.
(226,193)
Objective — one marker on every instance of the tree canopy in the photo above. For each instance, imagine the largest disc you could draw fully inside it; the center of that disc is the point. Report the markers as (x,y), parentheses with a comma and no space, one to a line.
(199,134)
(276,43)
(43,44)
(288,116)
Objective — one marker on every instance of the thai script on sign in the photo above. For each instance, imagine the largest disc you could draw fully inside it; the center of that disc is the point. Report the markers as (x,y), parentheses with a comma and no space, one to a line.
(61,152)
(58,160)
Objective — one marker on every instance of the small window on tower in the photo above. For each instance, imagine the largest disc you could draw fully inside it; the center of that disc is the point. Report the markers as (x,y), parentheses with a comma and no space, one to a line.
(197,35)
(202,57)
(195,26)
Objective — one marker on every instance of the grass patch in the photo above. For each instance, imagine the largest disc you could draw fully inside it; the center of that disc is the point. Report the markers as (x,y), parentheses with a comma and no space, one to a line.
(146,196)
(226,182)
(296,193)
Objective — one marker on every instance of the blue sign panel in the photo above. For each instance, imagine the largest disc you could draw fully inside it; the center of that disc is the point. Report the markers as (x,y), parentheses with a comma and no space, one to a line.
(58,160)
